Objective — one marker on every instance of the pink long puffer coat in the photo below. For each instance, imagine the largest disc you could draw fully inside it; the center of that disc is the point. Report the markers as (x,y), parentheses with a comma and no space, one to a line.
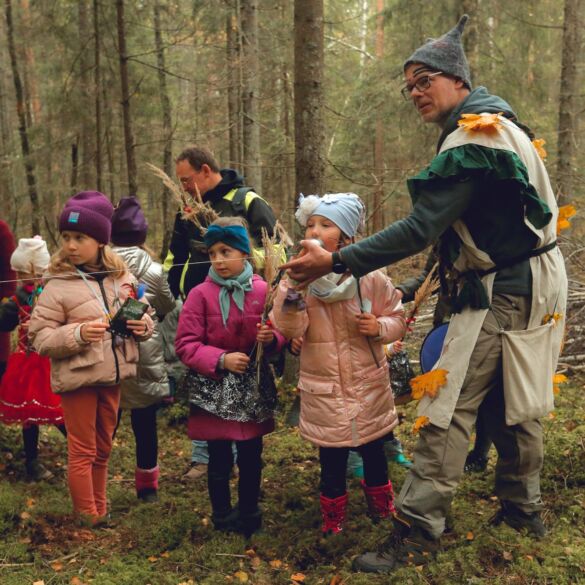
(346,399)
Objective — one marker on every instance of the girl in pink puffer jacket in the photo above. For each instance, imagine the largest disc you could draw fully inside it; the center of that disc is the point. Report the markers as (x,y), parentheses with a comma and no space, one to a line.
(218,331)
(346,399)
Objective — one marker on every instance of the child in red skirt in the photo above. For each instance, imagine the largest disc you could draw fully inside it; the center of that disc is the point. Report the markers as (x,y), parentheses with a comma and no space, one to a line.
(219,328)
(25,391)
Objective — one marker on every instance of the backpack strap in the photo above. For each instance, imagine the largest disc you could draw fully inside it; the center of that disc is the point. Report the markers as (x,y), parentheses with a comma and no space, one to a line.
(238,200)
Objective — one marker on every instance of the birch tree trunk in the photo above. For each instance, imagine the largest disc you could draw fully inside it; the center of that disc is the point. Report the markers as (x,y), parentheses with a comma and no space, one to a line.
(251,129)
(126,113)
(309,132)
(167,126)
(22,128)
(567,101)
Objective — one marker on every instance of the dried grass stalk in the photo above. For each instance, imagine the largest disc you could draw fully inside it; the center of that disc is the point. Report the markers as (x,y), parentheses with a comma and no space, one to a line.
(423,294)
(193,210)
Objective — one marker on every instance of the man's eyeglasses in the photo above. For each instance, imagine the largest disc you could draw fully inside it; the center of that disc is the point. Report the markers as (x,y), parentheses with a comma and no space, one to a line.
(422,84)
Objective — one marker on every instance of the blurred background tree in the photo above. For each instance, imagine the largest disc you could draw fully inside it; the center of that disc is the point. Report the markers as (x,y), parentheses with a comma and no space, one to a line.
(94,96)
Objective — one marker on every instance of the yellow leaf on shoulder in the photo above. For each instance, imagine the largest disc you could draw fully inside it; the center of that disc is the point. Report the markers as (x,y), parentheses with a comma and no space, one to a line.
(538,144)
(486,123)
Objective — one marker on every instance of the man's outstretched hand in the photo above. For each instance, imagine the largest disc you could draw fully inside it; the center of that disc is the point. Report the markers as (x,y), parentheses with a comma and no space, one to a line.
(312,263)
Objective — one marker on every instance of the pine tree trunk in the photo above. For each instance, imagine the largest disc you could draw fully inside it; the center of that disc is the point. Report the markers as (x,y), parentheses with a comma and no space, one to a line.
(31,91)
(471,36)
(167,127)
(127,115)
(233,92)
(567,99)
(251,128)
(98,97)
(309,133)
(22,127)
(85,131)
(378,211)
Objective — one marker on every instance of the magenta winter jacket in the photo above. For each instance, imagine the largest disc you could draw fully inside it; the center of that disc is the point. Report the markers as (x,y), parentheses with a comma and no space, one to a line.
(202,336)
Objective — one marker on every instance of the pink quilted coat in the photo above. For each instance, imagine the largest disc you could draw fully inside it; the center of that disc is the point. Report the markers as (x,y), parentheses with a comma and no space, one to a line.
(346,399)
(63,306)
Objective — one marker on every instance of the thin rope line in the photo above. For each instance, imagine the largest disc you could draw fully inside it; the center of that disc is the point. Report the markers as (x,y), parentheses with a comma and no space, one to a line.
(68,274)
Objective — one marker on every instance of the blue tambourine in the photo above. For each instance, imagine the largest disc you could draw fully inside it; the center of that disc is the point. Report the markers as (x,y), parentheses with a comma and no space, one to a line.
(431,347)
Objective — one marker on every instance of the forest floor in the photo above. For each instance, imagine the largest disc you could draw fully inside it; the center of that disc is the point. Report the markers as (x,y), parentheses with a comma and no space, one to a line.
(172,542)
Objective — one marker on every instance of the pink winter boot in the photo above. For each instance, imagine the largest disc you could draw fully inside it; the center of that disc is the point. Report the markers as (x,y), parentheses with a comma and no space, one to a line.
(380,500)
(147,483)
(333,512)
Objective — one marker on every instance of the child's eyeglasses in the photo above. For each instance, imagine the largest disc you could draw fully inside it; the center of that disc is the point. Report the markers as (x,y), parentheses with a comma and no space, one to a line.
(421,84)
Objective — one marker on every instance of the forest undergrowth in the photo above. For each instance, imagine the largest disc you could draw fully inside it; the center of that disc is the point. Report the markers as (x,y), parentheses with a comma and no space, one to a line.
(172,542)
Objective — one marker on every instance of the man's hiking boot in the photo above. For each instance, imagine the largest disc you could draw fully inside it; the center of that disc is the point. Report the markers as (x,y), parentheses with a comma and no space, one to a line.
(531,523)
(380,500)
(475,463)
(333,513)
(409,545)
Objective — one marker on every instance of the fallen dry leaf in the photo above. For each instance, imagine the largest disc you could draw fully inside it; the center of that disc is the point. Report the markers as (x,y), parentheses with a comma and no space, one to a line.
(469,535)
(336,580)
(275,564)
(39,583)
(508,556)
(152,559)
(57,566)
(241,576)
(298,577)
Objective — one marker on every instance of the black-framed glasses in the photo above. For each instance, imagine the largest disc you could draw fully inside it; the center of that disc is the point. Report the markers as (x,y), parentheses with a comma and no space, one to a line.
(422,84)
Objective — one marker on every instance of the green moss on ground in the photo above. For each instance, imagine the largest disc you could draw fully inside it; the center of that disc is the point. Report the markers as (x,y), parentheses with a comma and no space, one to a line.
(172,542)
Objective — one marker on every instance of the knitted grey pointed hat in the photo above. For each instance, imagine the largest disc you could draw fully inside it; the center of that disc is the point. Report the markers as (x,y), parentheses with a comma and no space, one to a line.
(445,54)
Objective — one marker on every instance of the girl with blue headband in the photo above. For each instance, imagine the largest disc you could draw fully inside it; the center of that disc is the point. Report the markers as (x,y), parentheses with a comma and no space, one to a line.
(346,400)
(218,329)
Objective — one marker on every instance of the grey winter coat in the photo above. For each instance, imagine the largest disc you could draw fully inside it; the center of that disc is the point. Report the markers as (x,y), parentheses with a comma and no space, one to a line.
(151,383)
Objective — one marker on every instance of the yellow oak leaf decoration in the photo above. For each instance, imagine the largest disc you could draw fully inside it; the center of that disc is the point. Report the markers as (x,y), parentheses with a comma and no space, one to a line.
(558,379)
(556,317)
(538,144)
(487,123)
(428,384)
(565,214)
(419,423)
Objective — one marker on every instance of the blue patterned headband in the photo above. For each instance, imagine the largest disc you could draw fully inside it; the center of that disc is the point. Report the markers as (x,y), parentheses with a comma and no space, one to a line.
(235,236)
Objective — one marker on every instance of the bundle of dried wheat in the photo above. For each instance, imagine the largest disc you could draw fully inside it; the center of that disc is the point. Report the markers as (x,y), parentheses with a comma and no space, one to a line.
(193,210)
(422,295)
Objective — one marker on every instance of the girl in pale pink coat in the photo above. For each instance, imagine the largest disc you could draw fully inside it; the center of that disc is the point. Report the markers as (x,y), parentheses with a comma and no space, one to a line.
(346,400)
(87,283)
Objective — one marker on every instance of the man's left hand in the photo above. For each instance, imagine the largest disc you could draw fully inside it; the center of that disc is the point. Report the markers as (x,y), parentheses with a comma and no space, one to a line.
(312,263)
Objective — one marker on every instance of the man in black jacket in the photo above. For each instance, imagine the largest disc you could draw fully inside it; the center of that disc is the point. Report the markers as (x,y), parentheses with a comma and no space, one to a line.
(226,193)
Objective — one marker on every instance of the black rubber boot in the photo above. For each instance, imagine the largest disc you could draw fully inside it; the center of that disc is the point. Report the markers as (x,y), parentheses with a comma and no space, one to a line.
(226,521)
(249,522)
(475,463)
(530,523)
(409,545)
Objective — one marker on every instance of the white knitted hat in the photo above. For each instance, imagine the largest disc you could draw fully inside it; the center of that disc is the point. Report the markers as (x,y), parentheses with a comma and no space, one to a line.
(31,256)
